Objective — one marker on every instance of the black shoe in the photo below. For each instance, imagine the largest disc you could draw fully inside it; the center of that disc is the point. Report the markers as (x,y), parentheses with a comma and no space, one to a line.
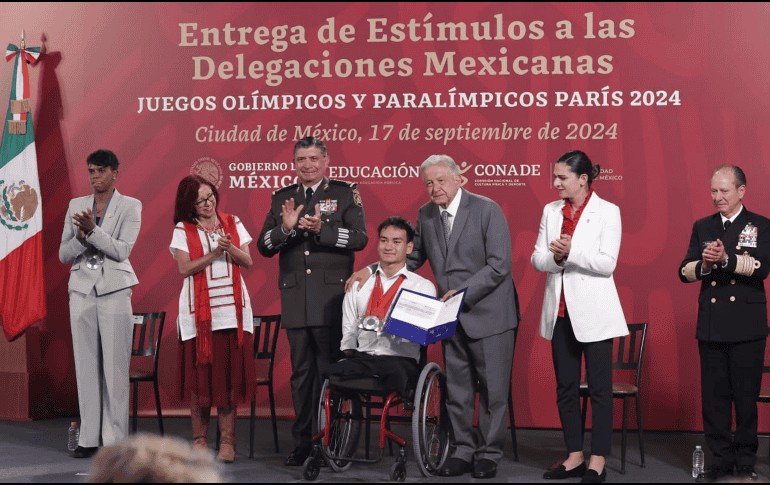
(484,469)
(297,457)
(716,472)
(746,472)
(560,472)
(592,477)
(83,452)
(454,467)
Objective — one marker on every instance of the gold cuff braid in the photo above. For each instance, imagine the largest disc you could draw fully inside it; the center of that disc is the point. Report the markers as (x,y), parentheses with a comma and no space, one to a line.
(745,264)
(689,271)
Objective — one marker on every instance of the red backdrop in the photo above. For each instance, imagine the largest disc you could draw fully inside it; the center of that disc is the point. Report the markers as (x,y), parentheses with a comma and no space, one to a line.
(699,73)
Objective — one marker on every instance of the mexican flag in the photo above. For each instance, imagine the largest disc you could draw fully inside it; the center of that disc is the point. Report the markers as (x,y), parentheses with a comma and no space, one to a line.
(22,297)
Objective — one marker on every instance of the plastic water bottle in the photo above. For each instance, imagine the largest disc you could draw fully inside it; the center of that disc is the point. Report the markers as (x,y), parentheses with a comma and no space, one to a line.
(73,435)
(697,462)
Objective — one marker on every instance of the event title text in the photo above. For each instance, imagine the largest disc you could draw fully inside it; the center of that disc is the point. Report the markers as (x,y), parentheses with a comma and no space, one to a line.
(281,38)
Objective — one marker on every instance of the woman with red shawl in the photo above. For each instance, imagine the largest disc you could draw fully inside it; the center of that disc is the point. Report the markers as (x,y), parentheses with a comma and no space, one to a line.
(215,317)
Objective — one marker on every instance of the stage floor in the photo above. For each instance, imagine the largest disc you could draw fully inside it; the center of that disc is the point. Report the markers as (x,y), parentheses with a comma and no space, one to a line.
(36,451)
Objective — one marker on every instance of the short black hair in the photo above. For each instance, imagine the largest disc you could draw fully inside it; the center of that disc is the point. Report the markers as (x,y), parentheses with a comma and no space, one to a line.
(308,142)
(400,223)
(103,158)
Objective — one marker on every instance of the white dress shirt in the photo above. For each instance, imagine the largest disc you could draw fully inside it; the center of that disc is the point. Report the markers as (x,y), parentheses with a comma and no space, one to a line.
(379,343)
(452,209)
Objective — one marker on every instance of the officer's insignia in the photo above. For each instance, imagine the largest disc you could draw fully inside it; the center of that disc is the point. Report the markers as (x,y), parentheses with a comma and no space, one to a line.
(748,237)
(357,198)
(328,206)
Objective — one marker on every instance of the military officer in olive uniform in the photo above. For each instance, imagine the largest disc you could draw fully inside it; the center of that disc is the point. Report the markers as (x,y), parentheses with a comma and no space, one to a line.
(730,254)
(316,226)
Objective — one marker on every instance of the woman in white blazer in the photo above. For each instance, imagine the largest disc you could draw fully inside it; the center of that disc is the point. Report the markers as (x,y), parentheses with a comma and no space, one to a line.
(578,247)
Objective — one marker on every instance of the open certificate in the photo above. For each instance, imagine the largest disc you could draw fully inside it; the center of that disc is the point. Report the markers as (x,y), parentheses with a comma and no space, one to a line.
(424,319)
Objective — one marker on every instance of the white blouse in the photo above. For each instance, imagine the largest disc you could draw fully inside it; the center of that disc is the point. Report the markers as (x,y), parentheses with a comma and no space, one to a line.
(219,276)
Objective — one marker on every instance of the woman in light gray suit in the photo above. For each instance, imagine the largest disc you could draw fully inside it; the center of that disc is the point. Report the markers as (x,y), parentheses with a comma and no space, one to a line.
(578,247)
(99,233)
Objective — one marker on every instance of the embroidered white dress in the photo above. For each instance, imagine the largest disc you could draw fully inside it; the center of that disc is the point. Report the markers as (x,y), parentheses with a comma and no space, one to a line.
(219,276)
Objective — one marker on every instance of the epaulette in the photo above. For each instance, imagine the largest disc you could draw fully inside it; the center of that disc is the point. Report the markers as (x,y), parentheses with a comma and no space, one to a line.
(345,183)
(351,186)
(293,186)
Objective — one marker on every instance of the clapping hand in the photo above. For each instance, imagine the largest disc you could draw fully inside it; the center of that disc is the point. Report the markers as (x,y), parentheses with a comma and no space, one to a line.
(311,223)
(85,222)
(714,253)
(224,243)
(289,215)
(561,247)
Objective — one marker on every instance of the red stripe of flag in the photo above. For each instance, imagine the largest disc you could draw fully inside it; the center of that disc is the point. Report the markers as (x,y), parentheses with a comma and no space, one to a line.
(22,292)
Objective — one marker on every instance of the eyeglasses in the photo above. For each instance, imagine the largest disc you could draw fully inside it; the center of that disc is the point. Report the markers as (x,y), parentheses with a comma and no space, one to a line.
(207,200)
(312,159)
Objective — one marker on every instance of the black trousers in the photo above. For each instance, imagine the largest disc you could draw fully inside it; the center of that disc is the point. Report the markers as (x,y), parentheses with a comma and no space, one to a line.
(567,356)
(731,373)
(395,373)
(311,353)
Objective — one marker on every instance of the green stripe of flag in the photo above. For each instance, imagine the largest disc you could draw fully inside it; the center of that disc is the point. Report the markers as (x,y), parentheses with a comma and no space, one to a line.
(13,145)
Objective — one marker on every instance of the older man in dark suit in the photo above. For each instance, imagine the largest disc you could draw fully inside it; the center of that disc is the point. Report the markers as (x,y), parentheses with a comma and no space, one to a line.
(465,239)
(729,254)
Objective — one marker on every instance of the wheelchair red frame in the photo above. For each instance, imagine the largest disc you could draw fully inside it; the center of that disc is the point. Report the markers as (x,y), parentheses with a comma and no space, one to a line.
(336,441)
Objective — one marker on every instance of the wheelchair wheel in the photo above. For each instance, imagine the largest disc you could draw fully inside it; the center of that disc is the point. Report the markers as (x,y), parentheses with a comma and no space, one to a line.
(430,421)
(310,469)
(398,472)
(345,428)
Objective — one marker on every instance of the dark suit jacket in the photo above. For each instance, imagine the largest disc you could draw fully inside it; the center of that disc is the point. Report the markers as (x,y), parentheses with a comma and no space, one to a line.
(478,258)
(731,307)
(313,268)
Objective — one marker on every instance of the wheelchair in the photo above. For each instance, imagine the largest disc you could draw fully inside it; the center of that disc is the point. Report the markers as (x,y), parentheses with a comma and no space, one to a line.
(341,417)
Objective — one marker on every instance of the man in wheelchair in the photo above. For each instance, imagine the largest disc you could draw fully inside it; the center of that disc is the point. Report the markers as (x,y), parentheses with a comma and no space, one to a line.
(395,363)
(368,350)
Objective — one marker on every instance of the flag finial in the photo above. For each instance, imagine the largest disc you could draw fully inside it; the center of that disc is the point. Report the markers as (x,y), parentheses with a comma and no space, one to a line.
(23,35)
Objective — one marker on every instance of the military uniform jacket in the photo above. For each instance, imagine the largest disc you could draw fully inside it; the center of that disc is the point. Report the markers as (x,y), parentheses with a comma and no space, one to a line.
(314,267)
(732,306)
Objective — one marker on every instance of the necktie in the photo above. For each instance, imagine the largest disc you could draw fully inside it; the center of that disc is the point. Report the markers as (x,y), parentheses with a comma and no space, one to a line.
(308,197)
(447,230)
(727,224)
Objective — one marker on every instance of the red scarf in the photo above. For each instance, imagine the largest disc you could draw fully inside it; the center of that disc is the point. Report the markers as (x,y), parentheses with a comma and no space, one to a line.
(568,227)
(201,288)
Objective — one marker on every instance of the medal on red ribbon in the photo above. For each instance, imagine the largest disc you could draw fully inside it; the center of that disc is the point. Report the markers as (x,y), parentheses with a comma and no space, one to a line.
(374,318)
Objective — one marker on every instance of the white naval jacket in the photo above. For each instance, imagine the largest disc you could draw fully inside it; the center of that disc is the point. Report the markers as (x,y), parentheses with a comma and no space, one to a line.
(589,288)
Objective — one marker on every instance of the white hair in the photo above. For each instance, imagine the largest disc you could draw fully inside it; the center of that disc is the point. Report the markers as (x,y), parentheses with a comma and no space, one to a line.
(436,159)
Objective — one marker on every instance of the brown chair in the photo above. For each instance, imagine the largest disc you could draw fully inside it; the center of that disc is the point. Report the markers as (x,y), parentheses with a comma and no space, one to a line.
(628,358)
(146,343)
(266,329)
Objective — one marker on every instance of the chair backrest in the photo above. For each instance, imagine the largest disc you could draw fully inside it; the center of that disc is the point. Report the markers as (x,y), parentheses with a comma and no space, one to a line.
(266,329)
(147,335)
(631,349)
